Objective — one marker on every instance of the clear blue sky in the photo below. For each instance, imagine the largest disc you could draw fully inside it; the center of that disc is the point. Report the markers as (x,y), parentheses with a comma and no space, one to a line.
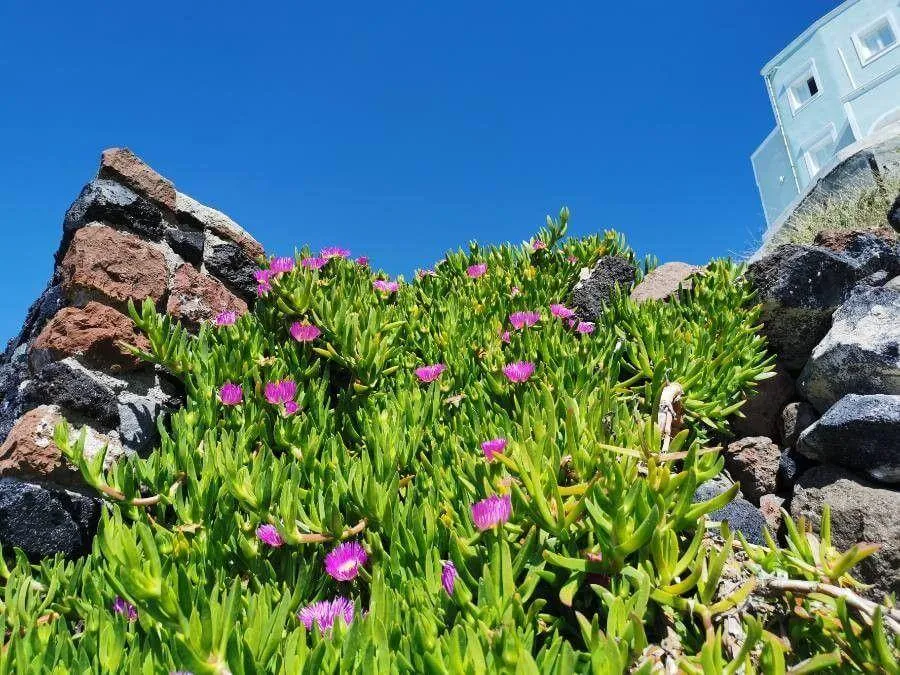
(397,129)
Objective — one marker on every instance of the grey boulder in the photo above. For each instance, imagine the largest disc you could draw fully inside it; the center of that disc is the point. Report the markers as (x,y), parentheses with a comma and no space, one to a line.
(861,433)
(107,201)
(795,418)
(860,354)
(860,512)
(740,514)
(799,287)
(43,522)
(596,286)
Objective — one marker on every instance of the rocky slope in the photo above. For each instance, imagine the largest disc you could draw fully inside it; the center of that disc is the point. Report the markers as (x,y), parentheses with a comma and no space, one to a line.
(130,235)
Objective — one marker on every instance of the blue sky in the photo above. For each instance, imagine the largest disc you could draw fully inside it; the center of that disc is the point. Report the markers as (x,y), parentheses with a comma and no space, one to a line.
(397,129)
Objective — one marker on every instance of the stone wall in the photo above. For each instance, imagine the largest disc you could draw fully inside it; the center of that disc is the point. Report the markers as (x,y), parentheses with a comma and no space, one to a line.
(130,235)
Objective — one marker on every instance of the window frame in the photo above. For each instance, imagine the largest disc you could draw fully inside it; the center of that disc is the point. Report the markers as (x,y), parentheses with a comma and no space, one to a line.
(827,134)
(887,17)
(801,77)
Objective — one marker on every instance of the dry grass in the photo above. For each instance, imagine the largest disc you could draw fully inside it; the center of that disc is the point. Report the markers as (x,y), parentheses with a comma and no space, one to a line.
(857,208)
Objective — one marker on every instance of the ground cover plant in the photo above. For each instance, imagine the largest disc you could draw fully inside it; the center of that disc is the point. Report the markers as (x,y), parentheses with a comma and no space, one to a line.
(450,475)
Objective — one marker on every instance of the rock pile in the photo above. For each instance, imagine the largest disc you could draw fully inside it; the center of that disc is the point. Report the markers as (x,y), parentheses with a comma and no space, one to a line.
(130,235)
(826,429)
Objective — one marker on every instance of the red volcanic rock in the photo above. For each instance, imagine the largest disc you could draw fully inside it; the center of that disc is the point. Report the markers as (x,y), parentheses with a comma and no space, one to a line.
(95,332)
(122,165)
(106,264)
(196,298)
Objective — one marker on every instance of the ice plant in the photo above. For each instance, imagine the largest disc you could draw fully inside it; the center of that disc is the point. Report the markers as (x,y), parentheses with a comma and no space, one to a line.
(334,252)
(268,534)
(226,318)
(490,512)
(430,373)
(520,371)
(504,337)
(344,561)
(492,447)
(313,263)
(231,394)
(304,332)
(324,613)
(521,320)
(122,606)
(263,278)
(362,261)
(477,270)
(282,392)
(538,245)
(448,576)
(421,274)
(281,265)
(585,327)
(385,286)
(562,312)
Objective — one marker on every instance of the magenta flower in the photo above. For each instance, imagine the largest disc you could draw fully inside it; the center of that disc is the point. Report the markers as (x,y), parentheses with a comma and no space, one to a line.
(263,279)
(514,291)
(344,561)
(226,318)
(362,261)
(585,327)
(231,394)
(504,337)
(495,510)
(281,265)
(492,447)
(122,606)
(476,271)
(538,245)
(430,373)
(520,371)
(268,534)
(334,252)
(385,286)
(425,273)
(314,263)
(324,613)
(304,332)
(282,393)
(448,576)
(521,320)
(562,312)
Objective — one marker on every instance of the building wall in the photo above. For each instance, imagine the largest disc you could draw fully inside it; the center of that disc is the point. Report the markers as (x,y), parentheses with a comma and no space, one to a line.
(854,98)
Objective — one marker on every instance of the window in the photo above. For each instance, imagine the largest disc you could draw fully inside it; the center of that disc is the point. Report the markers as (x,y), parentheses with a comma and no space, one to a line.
(874,40)
(803,89)
(820,152)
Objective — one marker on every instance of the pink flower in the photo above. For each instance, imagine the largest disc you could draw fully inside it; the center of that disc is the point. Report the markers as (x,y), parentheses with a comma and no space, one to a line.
(324,613)
(314,263)
(344,561)
(282,393)
(304,332)
(226,318)
(514,291)
(520,371)
(492,447)
(476,271)
(421,274)
(538,245)
(125,608)
(362,260)
(263,279)
(430,373)
(561,311)
(572,259)
(521,320)
(491,511)
(281,265)
(268,534)
(385,286)
(334,252)
(231,394)
(448,576)
(585,327)
(504,337)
